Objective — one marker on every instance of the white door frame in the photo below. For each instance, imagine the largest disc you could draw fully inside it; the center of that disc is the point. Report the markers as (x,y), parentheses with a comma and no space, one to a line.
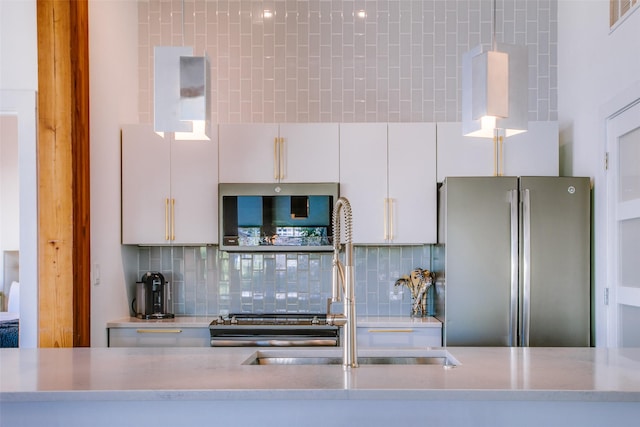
(22,103)
(603,260)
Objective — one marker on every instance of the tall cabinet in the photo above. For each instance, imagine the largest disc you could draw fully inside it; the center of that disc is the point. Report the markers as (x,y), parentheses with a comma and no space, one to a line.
(169,189)
(268,153)
(388,173)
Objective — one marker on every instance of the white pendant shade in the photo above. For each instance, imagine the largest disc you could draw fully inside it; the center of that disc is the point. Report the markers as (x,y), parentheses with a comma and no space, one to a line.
(181,93)
(495,90)
(490,85)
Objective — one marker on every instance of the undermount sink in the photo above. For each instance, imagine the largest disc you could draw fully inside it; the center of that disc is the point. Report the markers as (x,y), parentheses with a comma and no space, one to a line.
(439,357)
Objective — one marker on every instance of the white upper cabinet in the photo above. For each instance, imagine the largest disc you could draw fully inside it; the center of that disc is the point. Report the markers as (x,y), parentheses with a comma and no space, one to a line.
(248,152)
(300,152)
(387,171)
(146,180)
(461,155)
(194,190)
(532,153)
(310,152)
(169,189)
(413,192)
(363,179)
(535,152)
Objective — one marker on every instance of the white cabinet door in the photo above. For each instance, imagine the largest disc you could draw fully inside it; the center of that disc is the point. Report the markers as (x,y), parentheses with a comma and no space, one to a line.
(310,152)
(460,155)
(532,153)
(412,183)
(194,192)
(297,152)
(363,179)
(146,176)
(169,189)
(248,152)
(388,174)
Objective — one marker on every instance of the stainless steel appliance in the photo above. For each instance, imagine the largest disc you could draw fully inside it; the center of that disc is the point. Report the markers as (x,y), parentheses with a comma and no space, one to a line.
(277,330)
(276,217)
(153,297)
(513,261)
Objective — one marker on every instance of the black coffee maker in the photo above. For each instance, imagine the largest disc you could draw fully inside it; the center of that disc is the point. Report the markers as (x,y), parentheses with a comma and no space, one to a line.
(153,297)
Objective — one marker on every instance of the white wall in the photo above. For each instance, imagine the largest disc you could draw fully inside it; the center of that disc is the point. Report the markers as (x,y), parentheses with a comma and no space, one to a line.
(598,73)
(18,85)
(113,64)
(18,45)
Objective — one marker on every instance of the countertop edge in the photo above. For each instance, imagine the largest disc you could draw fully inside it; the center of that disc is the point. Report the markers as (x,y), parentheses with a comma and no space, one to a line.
(328,394)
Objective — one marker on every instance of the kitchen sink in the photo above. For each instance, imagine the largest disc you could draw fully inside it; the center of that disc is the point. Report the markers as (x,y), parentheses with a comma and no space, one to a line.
(439,357)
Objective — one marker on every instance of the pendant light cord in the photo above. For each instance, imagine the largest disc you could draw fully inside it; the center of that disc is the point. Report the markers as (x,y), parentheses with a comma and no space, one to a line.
(182,5)
(493,26)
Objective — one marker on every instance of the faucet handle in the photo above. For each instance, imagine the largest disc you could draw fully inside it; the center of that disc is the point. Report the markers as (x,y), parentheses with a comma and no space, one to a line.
(336,319)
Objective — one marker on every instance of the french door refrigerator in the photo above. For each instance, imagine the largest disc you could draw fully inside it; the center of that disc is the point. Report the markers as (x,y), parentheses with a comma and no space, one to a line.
(513,261)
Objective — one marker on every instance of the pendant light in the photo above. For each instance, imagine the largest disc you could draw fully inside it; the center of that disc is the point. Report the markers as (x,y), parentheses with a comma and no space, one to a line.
(182,102)
(495,92)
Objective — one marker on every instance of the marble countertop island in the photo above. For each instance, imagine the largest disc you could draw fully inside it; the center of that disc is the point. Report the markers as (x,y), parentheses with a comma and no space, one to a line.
(193,386)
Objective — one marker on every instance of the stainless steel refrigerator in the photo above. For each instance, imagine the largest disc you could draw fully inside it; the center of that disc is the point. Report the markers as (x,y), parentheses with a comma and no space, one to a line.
(513,261)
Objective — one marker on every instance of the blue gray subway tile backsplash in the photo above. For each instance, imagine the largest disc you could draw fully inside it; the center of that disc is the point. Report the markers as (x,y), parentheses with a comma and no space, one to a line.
(208,282)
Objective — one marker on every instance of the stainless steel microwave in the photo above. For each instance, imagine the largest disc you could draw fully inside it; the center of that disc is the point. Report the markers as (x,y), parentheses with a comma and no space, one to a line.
(276,217)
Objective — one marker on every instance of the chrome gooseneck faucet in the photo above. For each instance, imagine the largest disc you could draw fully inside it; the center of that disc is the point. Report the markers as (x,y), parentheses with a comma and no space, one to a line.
(344,275)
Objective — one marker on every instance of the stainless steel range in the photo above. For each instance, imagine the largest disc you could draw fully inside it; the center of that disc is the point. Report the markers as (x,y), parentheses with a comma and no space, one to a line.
(273,330)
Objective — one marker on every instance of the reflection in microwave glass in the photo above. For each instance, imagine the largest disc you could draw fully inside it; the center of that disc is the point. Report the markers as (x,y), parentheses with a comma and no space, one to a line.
(285,236)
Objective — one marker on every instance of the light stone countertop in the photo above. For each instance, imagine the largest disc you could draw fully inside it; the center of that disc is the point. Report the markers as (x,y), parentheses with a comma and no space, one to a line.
(492,387)
(582,374)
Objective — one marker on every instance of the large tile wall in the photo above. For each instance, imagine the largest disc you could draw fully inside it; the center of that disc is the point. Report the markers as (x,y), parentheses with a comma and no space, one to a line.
(207,281)
(345,61)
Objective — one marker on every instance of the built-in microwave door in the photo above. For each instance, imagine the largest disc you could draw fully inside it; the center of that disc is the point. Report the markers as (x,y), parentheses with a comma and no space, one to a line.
(276,217)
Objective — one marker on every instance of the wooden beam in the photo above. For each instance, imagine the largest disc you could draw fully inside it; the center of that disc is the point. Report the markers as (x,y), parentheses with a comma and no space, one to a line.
(81,175)
(63,174)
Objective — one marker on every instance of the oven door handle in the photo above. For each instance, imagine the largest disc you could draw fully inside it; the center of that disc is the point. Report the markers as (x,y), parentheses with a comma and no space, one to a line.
(273,343)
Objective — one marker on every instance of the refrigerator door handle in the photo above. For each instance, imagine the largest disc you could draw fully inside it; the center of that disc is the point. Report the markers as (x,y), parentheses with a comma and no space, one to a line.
(513,303)
(526,265)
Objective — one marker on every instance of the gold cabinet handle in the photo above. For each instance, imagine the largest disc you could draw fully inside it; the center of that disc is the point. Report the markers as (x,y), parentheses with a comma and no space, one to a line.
(390,219)
(498,154)
(158,331)
(166,219)
(276,163)
(281,157)
(377,331)
(386,223)
(173,219)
